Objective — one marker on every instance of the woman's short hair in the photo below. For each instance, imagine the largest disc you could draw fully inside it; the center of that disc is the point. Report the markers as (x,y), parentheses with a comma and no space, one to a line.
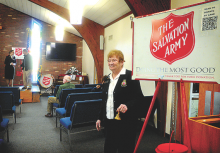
(117,53)
(10,51)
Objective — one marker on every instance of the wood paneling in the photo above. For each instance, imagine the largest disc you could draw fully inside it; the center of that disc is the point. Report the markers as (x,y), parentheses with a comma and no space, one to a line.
(36,97)
(63,12)
(89,30)
(26,96)
(180,128)
(204,137)
(216,88)
(144,7)
(162,107)
(187,90)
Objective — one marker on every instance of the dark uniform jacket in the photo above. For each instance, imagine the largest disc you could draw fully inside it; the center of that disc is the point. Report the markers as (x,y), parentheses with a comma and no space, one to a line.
(9,69)
(27,62)
(126,92)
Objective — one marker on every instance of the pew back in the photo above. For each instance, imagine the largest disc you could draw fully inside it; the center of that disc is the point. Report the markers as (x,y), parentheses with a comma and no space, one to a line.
(85,111)
(71,98)
(91,85)
(16,93)
(6,100)
(64,93)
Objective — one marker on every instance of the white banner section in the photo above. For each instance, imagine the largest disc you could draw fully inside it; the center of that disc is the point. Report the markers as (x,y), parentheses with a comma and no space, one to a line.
(18,52)
(178,44)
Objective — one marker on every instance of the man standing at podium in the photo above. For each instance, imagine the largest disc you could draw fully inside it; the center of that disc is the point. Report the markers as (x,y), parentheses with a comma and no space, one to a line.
(27,69)
(52,99)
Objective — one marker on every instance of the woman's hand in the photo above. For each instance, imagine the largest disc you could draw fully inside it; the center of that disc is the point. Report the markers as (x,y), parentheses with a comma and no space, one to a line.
(98,125)
(122,108)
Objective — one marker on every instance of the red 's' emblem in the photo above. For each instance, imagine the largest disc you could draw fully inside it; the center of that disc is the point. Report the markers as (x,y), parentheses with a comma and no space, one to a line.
(46,80)
(173,37)
(18,51)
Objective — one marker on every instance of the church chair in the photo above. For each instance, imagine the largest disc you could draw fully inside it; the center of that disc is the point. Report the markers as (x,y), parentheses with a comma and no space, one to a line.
(4,125)
(83,113)
(7,103)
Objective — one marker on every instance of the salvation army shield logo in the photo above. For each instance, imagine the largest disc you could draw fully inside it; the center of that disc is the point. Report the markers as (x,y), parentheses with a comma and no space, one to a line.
(46,80)
(173,37)
(18,51)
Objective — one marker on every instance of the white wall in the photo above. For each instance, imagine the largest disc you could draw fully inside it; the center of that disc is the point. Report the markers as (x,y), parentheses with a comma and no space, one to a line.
(121,33)
(88,62)
(119,36)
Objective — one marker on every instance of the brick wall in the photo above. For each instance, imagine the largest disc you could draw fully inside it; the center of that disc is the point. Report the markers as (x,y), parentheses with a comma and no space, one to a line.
(14,34)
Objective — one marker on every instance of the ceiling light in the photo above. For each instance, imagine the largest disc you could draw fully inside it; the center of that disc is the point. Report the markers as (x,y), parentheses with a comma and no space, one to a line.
(76,9)
(59,31)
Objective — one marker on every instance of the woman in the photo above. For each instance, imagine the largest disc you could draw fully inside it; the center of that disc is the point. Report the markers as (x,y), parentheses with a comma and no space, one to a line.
(10,62)
(121,95)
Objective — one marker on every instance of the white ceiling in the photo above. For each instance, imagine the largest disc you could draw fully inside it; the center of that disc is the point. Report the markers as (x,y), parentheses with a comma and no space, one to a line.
(103,12)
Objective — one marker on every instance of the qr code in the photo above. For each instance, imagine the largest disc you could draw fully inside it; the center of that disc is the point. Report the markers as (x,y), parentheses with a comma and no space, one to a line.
(209,23)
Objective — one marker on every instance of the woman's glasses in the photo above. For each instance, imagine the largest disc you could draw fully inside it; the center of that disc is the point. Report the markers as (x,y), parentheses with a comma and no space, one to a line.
(112,60)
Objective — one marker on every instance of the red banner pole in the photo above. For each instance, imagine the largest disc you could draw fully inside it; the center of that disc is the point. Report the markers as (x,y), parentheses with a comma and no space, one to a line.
(179,114)
(21,73)
(148,115)
(186,116)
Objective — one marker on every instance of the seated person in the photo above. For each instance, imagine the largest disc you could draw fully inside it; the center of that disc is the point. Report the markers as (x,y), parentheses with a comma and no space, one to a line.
(98,87)
(66,85)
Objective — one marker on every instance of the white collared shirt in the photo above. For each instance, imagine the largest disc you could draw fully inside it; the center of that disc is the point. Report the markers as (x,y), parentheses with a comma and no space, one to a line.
(110,100)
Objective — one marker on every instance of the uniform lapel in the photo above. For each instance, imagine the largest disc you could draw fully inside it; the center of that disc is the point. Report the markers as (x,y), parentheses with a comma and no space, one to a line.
(106,85)
(118,85)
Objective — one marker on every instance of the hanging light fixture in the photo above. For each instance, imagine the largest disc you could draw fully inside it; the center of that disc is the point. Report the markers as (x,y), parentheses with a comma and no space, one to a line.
(76,9)
(59,31)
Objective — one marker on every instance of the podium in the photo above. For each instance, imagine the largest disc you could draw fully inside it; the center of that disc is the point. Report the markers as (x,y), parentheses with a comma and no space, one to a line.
(205,133)
(29,96)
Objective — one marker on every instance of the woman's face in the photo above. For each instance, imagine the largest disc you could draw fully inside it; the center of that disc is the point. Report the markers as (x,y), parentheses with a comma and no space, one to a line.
(12,53)
(114,64)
